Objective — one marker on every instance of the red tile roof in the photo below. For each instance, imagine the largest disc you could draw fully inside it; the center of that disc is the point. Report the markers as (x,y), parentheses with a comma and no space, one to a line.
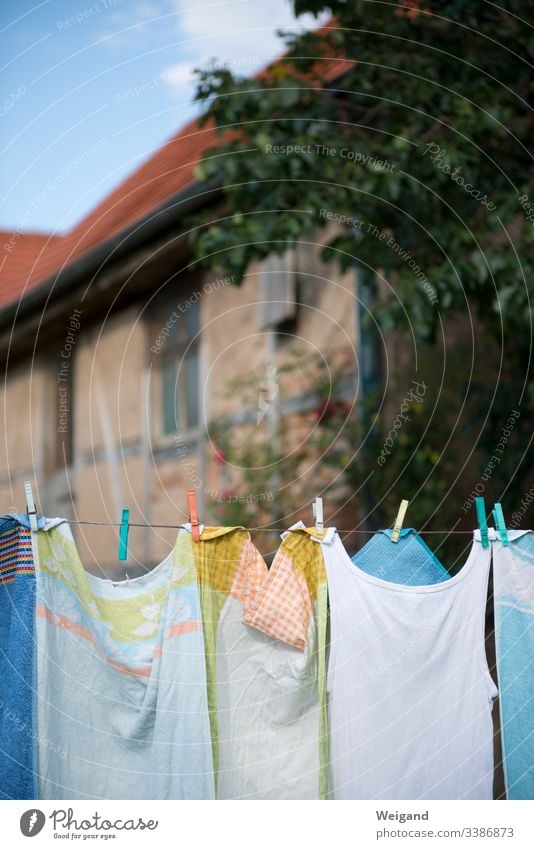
(28,259)
(167,171)
(22,257)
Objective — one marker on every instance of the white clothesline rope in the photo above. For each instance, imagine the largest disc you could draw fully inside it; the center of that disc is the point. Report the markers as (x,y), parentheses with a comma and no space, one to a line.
(265,530)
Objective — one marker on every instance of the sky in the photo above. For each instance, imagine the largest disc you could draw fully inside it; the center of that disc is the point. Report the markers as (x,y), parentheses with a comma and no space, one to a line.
(92,87)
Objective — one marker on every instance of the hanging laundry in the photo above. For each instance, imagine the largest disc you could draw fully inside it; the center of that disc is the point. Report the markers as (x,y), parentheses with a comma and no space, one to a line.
(513,570)
(410,693)
(291,606)
(242,688)
(121,679)
(17,679)
(409,561)
(265,743)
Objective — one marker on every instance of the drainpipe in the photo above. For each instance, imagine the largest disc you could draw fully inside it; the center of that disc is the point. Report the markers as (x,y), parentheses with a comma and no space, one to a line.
(144,395)
(109,445)
(368,358)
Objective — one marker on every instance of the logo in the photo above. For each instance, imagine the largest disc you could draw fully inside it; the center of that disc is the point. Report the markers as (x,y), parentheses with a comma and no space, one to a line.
(32,822)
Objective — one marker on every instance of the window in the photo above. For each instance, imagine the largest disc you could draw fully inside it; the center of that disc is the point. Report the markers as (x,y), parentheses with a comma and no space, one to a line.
(57,409)
(179,366)
(277,298)
(370,341)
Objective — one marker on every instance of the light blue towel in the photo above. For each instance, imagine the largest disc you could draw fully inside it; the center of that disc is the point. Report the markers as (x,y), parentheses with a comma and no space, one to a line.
(122,699)
(408,561)
(513,567)
(17,658)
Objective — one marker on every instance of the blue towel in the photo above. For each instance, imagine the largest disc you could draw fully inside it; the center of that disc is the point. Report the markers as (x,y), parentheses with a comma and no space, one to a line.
(17,674)
(513,567)
(409,561)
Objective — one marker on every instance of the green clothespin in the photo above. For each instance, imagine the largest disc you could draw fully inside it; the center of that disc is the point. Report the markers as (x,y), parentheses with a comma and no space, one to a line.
(123,535)
(482,523)
(498,515)
(397,527)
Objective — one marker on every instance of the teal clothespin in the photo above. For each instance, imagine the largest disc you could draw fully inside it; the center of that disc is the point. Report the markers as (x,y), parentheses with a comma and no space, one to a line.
(123,535)
(482,523)
(498,515)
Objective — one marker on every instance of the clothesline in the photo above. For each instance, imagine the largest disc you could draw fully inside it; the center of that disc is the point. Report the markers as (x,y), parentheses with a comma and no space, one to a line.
(264,530)
(204,677)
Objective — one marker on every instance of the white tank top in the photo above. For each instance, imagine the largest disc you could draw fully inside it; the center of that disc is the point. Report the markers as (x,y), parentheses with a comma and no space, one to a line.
(410,693)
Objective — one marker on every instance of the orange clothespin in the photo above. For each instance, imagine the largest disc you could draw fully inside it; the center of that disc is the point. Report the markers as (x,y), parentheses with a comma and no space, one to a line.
(193,514)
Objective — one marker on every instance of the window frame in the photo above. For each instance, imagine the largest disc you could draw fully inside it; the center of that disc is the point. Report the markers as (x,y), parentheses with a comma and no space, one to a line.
(177,349)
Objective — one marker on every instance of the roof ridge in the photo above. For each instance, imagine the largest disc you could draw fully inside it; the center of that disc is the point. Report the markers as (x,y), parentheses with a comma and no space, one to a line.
(30,258)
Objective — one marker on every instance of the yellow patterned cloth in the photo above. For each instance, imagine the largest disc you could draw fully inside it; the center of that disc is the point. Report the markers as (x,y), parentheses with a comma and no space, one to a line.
(264,635)
(292,607)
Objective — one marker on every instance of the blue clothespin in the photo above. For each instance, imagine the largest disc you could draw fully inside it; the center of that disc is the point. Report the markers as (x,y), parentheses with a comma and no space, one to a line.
(123,535)
(482,523)
(498,515)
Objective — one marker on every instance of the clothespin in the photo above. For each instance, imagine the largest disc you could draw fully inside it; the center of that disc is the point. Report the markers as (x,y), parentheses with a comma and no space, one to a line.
(318,515)
(498,516)
(193,514)
(397,527)
(30,505)
(123,535)
(480,505)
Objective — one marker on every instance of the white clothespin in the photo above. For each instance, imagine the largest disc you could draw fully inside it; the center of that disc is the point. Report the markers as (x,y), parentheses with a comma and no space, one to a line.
(318,514)
(30,505)
(397,527)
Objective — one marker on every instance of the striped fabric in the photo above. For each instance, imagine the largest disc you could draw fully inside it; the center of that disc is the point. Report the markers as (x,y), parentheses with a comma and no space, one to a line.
(17,617)
(16,556)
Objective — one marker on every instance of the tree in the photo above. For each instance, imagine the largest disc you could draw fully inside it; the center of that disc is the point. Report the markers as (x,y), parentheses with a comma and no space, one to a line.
(421,148)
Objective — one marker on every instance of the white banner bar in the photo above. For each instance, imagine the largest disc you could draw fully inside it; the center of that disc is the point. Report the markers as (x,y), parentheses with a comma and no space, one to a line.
(269,825)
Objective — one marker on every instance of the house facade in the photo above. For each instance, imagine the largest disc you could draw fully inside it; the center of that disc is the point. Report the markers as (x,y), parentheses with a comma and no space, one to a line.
(114,409)
(119,357)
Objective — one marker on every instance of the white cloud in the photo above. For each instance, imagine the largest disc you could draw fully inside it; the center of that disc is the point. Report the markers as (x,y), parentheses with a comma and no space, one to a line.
(179,74)
(131,23)
(238,33)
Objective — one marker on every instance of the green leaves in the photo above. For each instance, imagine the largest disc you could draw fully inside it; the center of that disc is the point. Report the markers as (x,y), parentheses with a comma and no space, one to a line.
(425,139)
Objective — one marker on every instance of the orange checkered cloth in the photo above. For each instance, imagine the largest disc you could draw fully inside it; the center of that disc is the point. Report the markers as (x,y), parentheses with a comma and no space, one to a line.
(284,603)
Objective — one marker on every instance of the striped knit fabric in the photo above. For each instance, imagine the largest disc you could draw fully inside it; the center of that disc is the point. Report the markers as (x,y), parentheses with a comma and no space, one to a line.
(16,556)
(17,616)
